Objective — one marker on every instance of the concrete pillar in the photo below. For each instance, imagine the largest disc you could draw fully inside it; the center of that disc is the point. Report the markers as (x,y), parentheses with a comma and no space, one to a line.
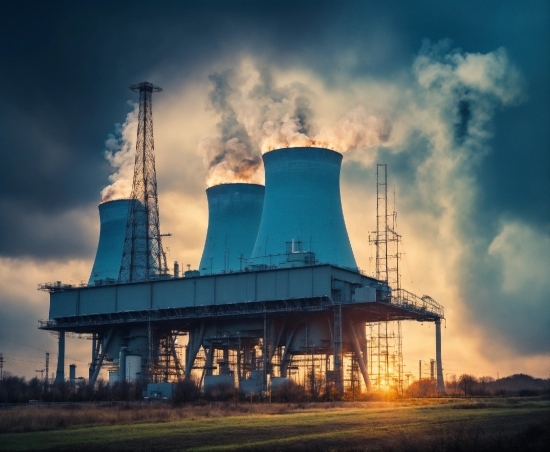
(93,363)
(439,364)
(195,341)
(60,374)
(357,350)
(104,343)
(72,373)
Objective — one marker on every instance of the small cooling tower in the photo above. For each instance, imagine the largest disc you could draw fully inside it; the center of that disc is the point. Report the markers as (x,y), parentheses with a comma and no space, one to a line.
(234,213)
(302,208)
(113,217)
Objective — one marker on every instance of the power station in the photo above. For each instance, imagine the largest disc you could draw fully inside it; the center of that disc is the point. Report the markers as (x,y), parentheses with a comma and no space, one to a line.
(277,295)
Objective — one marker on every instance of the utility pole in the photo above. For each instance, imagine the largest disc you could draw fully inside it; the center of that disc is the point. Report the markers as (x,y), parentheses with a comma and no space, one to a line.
(47,371)
(143,257)
(1,367)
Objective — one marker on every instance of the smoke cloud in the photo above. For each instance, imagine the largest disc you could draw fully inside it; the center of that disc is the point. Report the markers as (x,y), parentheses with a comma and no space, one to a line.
(229,156)
(257,115)
(120,153)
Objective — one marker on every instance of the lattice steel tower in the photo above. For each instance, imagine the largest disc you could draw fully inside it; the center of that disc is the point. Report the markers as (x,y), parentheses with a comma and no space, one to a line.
(143,256)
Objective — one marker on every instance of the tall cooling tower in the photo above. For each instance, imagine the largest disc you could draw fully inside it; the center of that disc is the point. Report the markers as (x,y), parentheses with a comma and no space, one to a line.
(112,217)
(234,214)
(302,204)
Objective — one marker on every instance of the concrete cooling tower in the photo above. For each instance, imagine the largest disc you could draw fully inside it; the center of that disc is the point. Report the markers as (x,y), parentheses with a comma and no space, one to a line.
(112,216)
(234,214)
(302,208)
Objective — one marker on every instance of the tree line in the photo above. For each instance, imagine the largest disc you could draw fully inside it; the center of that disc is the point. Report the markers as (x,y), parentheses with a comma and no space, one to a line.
(467,385)
(14,389)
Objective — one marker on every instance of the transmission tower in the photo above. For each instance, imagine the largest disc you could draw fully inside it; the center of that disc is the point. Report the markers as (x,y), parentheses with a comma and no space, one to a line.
(143,257)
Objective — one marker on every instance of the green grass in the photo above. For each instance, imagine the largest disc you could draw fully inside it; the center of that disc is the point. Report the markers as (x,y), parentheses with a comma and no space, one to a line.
(502,426)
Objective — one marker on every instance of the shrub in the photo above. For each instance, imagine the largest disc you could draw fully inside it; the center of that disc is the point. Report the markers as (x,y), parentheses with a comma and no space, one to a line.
(186,391)
(289,392)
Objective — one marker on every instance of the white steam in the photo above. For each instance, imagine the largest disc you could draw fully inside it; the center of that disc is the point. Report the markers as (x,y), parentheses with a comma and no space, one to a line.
(120,153)
(355,129)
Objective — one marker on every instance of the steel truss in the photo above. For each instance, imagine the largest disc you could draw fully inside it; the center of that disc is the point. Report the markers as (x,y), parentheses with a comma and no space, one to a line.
(143,257)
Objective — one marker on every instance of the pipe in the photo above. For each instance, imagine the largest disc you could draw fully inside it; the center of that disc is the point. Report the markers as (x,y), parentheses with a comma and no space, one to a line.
(122,364)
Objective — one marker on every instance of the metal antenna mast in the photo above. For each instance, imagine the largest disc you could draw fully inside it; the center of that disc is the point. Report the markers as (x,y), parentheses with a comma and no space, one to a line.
(386,240)
(143,256)
(381,240)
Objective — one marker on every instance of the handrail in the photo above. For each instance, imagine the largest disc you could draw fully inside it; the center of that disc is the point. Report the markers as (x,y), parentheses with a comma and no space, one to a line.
(406,299)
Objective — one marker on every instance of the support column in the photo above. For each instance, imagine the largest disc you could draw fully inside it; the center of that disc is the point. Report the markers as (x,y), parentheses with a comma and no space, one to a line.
(285,360)
(337,349)
(93,363)
(193,346)
(60,374)
(104,343)
(359,358)
(439,364)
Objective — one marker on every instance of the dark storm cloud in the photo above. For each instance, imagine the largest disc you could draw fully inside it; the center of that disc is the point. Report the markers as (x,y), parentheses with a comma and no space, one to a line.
(67,65)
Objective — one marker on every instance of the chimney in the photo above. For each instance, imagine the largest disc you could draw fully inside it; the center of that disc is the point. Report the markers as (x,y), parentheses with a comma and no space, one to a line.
(113,217)
(234,213)
(302,206)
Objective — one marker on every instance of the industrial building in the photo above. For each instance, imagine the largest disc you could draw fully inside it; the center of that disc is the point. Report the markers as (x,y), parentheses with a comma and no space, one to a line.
(277,295)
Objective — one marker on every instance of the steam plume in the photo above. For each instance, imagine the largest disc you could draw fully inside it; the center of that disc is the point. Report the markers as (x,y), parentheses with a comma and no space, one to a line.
(230,155)
(120,153)
(256,116)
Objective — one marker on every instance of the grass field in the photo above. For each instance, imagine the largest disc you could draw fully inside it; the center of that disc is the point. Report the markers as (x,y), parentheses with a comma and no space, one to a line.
(446,425)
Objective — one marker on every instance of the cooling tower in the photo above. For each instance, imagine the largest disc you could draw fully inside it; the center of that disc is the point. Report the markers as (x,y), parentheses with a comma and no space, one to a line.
(234,214)
(112,217)
(302,206)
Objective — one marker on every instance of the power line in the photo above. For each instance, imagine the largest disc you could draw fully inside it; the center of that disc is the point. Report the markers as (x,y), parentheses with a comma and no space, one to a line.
(21,343)
(39,349)
(22,356)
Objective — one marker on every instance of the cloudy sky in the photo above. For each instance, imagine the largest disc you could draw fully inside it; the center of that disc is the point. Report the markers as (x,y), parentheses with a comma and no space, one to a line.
(453,96)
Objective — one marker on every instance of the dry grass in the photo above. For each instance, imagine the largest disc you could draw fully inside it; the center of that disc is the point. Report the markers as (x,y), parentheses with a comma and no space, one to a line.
(410,425)
(43,418)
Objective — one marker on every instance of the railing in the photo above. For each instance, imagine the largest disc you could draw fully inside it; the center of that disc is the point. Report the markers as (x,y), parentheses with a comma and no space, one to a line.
(46,323)
(56,286)
(427,304)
